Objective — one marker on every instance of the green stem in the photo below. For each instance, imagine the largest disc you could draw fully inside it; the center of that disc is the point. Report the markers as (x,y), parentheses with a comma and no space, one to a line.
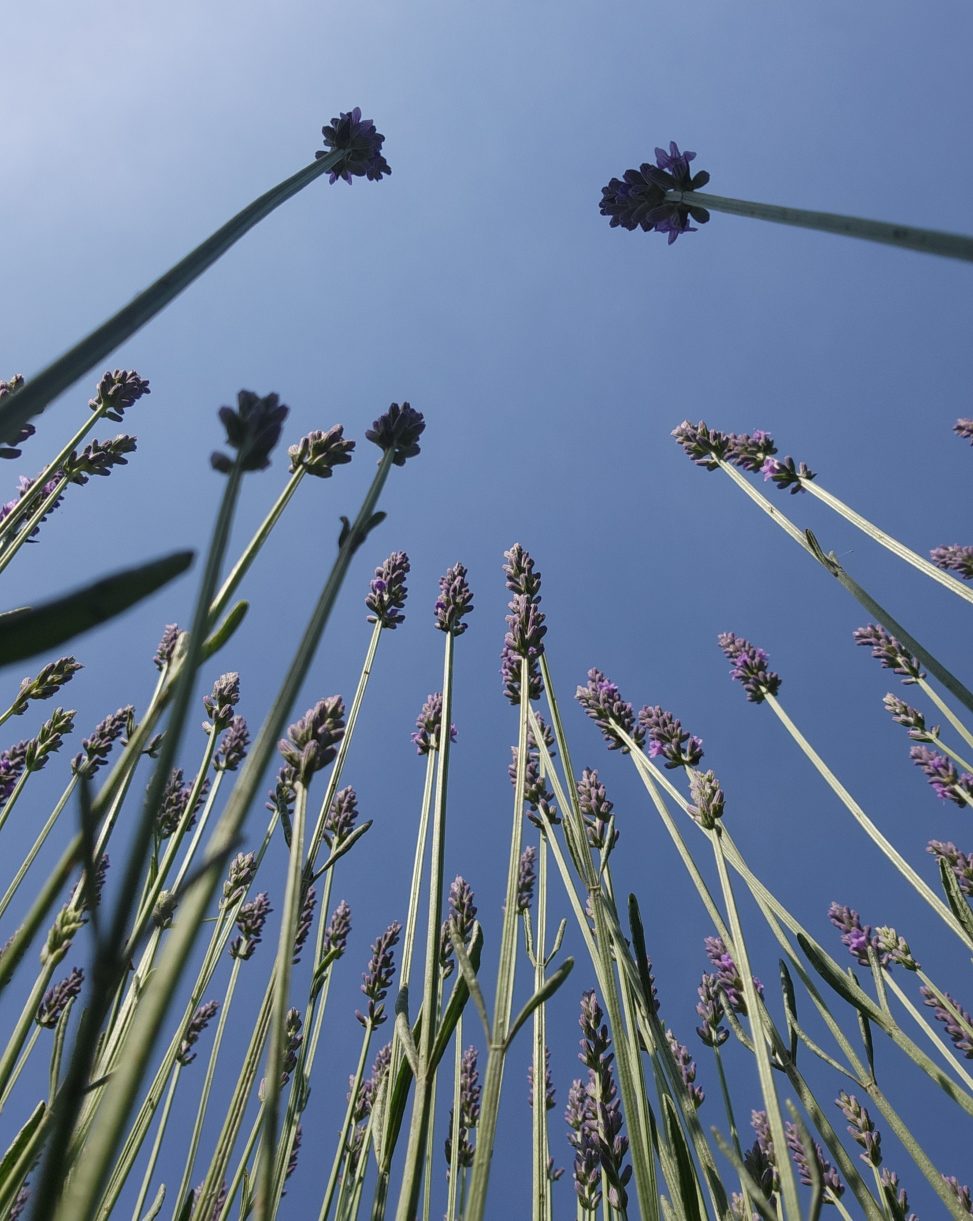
(156,1144)
(12,1080)
(906,237)
(37,845)
(339,1152)
(46,385)
(22,536)
(539,1199)
(932,694)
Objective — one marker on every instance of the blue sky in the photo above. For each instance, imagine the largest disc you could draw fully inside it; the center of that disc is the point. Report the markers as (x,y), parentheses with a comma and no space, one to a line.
(551,356)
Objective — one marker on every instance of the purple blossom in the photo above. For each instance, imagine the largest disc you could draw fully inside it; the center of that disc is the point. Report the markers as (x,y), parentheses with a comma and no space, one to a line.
(233,746)
(855,935)
(958,1025)
(469,1111)
(281,796)
(602,701)
(728,976)
(668,738)
(521,577)
(964,429)
(913,720)
(706,798)
(954,558)
(749,667)
(889,652)
(523,641)
(829,1176)
(319,452)
(293,1038)
(221,701)
(961,863)
(117,391)
(342,816)
(761,1160)
(895,1196)
(583,1137)
(750,450)
(526,877)
(194,1028)
(786,474)
(454,602)
(960,1191)
(462,908)
(174,804)
(894,950)
(47,682)
(687,1069)
(240,875)
(56,998)
(336,932)
(605,1107)
(537,797)
(862,1129)
(252,429)
(387,591)
(312,742)
(305,920)
(250,920)
(429,724)
(703,446)
(11,767)
(399,429)
(167,646)
(550,1098)
(24,485)
(596,810)
(98,458)
(941,773)
(377,980)
(709,1006)
(639,198)
(362,145)
(97,748)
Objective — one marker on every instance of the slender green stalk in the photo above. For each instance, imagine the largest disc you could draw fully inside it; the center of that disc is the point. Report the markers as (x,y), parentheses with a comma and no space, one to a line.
(340,1148)
(887,541)
(947,712)
(928,1030)
(14,544)
(867,825)
(46,385)
(37,845)
(11,801)
(456,1171)
(120,1091)
(540,1196)
(46,898)
(906,237)
(160,1133)
(282,982)
(25,1056)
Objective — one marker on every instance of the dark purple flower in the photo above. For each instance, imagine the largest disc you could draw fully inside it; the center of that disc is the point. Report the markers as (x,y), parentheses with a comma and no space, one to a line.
(242,871)
(520,573)
(728,976)
(893,950)
(362,145)
(118,390)
(710,1009)
(785,474)
(312,742)
(964,429)
(174,803)
(605,1109)
(706,798)
(377,980)
(958,1024)
(462,908)
(469,1111)
(889,651)
(221,701)
(167,646)
(829,1176)
(602,701)
(341,818)
(320,452)
(48,681)
(304,922)
(387,591)
(524,639)
(98,458)
(639,198)
(855,935)
(537,797)
(687,1069)
(961,863)
(749,667)
(399,429)
(510,672)
(24,485)
(454,602)
(550,1099)
(368,1090)
(960,1191)
(337,931)
(12,766)
(596,810)
(761,1161)
(863,1131)
(913,720)
(49,739)
(583,1138)
(194,1028)
(668,739)
(295,1150)
(97,748)
(233,746)
(281,796)
(703,445)
(57,997)
(526,877)
(253,429)
(429,725)
(250,920)
(896,1197)
(941,773)
(954,558)
(750,450)
(293,1038)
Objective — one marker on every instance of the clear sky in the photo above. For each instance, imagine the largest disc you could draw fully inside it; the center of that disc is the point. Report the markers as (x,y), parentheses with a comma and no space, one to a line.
(551,356)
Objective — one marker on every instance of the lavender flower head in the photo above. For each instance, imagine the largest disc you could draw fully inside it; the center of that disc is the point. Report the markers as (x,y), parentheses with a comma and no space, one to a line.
(668,738)
(889,652)
(962,1193)
(454,602)
(24,485)
(242,871)
(304,922)
(520,574)
(194,1028)
(342,816)
(526,877)
(964,428)
(312,742)
(56,998)
(250,920)
(706,798)
(117,391)
(709,1007)
(862,1129)
(233,746)
(47,682)
(855,935)
(960,863)
(174,803)
(253,429)
(786,474)
(462,908)
(954,558)
(605,1109)
(221,701)
(377,980)
(947,783)
(583,1137)
(99,458)
(829,1176)
(602,701)
(362,145)
(550,1096)
(728,975)
(469,1111)
(97,748)
(704,446)
(749,667)
(12,766)
(596,810)
(750,450)
(337,931)
(387,591)
(913,720)
(687,1069)
(167,646)
(639,198)
(429,724)
(399,430)
(955,1019)
(319,452)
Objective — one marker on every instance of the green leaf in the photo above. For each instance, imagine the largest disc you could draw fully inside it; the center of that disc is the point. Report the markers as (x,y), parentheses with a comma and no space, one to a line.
(688,1187)
(156,1206)
(955,897)
(543,993)
(21,1142)
(30,630)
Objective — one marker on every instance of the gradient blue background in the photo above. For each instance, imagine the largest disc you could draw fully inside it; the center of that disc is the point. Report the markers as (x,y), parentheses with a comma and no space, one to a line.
(551,356)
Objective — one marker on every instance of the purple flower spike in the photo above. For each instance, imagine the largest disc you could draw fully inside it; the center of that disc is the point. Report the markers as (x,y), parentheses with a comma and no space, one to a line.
(341,818)
(194,1028)
(117,391)
(959,1031)
(889,651)
(250,920)
(336,933)
(941,773)
(57,997)
(833,1185)
(603,1109)
(320,452)
(862,1129)
(362,145)
(668,739)
(253,429)
(749,667)
(855,935)
(377,980)
(596,810)
(702,445)
(387,591)
(526,876)
(312,742)
(454,602)
(728,976)
(233,746)
(429,725)
(639,198)
(960,1191)
(602,701)
(305,920)
(961,863)
(520,574)
(710,1009)
(785,474)
(954,559)
(964,429)
(399,429)
(706,798)
(469,1112)
(687,1069)
(750,450)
